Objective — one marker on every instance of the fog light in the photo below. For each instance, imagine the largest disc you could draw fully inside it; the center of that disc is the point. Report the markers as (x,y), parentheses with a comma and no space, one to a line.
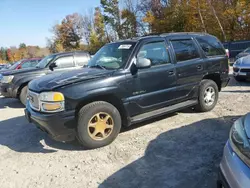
(52,107)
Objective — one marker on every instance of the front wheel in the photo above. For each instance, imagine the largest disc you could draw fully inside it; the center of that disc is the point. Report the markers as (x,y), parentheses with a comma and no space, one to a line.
(23,95)
(99,123)
(208,96)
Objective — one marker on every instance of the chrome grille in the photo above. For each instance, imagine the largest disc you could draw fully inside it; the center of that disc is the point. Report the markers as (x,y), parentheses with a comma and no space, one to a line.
(33,99)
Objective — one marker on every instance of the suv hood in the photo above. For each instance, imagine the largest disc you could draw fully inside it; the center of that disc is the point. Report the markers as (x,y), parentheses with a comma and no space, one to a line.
(21,71)
(245,61)
(52,81)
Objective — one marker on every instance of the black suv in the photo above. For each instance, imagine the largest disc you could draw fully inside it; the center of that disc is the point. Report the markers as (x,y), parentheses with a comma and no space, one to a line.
(127,82)
(13,83)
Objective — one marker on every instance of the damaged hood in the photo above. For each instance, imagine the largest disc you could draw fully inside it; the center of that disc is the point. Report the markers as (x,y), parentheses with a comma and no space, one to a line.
(52,81)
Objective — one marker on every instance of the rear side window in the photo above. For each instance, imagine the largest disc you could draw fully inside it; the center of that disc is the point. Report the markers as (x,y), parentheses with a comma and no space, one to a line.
(211,46)
(185,50)
(81,60)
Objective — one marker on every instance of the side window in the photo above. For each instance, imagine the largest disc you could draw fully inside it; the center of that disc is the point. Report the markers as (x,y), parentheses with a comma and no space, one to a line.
(185,50)
(64,62)
(156,52)
(82,60)
(211,46)
(34,63)
(26,64)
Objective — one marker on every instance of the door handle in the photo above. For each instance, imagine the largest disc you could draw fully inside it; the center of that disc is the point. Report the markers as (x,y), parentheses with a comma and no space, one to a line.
(171,73)
(199,67)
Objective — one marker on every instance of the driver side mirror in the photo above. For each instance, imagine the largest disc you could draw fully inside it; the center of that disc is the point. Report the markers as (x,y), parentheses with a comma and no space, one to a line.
(52,66)
(143,63)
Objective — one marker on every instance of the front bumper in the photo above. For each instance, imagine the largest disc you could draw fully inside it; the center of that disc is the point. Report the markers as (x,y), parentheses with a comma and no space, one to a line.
(6,90)
(234,173)
(239,72)
(59,126)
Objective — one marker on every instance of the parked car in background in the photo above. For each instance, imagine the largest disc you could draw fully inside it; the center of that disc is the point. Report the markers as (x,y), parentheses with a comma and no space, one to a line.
(127,82)
(246,52)
(14,83)
(23,64)
(241,68)
(235,165)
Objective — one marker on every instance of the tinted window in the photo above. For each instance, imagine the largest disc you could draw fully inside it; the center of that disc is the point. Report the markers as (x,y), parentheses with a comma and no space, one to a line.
(81,60)
(64,62)
(185,50)
(211,46)
(156,52)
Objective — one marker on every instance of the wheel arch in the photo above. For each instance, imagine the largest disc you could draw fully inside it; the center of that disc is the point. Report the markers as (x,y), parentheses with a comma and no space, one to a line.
(20,88)
(110,98)
(215,77)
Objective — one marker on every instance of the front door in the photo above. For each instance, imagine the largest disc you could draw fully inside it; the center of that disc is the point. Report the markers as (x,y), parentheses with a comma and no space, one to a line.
(157,83)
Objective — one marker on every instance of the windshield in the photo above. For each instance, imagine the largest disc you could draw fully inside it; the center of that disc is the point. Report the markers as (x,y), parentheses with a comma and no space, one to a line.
(247,50)
(14,66)
(112,56)
(44,62)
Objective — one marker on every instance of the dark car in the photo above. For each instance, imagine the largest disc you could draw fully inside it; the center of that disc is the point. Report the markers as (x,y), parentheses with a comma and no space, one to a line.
(14,83)
(246,52)
(127,82)
(241,68)
(234,171)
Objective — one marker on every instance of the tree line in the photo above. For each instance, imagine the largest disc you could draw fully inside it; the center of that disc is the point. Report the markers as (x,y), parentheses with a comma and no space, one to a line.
(112,20)
(229,20)
(14,54)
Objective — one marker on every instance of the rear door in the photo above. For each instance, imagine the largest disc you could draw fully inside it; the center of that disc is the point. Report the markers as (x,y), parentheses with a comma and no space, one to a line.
(189,68)
(82,59)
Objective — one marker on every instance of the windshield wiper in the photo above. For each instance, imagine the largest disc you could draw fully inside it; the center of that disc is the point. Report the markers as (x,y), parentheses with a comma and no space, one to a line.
(98,66)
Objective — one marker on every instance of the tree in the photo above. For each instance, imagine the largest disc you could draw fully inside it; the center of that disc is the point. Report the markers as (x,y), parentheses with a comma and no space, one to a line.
(22,45)
(3,54)
(10,56)
(69,32)
(97,35)
(112,16)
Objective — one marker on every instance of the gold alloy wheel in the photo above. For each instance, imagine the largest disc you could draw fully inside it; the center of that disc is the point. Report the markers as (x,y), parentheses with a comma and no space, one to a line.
(100,126)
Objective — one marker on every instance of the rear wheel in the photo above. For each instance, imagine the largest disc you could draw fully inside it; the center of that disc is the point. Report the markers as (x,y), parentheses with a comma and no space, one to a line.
(208,96)
(99,123)
(23,95)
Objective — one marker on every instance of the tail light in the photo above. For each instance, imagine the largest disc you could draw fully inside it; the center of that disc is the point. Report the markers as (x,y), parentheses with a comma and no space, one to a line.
(18,67)
(227,52)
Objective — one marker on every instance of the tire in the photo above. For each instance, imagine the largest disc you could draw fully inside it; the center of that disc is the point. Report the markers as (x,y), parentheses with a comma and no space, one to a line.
(23,95)
(89,113)
(239,79)
(203,104)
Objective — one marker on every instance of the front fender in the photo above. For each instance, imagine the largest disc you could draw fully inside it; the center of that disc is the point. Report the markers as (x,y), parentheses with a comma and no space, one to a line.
(19,83)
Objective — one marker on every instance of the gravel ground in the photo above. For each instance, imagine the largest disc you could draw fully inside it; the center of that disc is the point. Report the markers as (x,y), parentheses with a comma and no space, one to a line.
(179,150)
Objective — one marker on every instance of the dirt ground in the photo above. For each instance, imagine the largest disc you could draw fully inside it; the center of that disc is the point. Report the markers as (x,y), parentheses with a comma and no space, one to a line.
(176,151)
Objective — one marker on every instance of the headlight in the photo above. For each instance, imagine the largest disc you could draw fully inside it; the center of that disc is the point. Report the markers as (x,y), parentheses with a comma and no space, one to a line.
(7,79)
(51,96)
(239,141)
(51,101)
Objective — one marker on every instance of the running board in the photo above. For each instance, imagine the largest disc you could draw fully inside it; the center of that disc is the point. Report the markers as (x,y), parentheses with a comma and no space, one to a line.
(161,111)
